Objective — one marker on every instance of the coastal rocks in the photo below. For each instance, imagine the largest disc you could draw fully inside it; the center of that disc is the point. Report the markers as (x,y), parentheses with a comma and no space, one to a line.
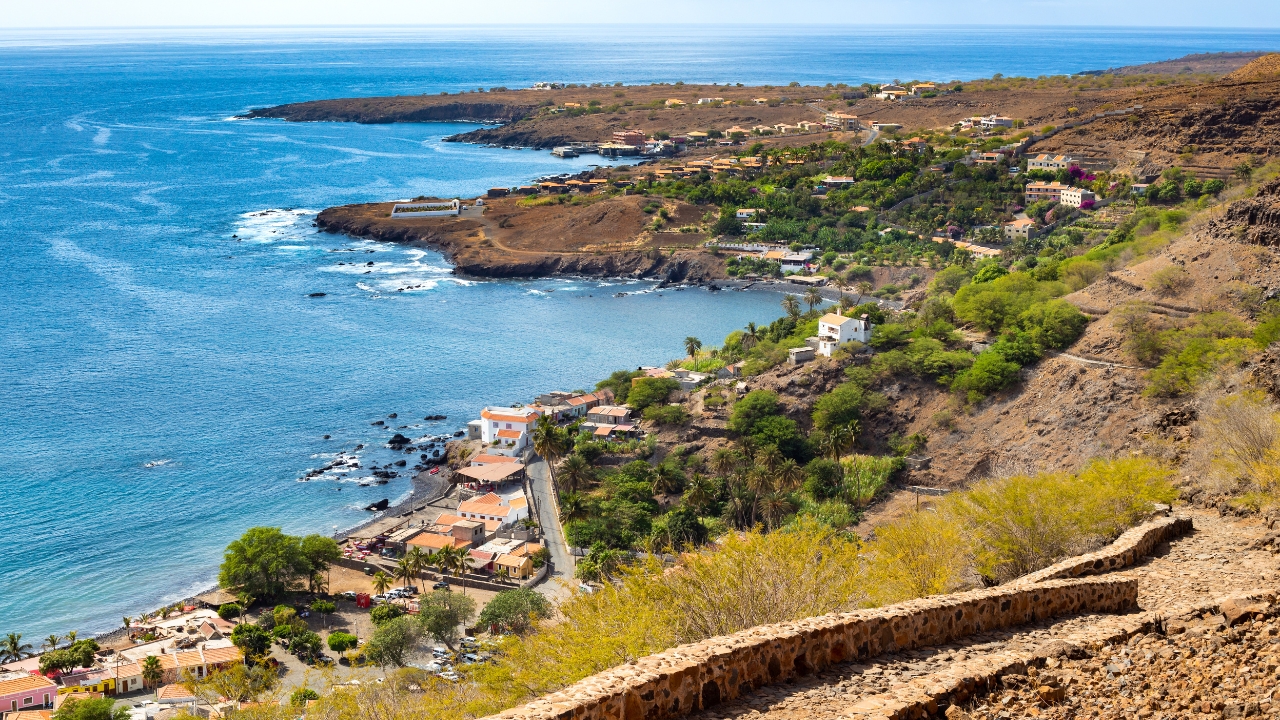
(398,441)
(434,418)
(393,110)
(378,506)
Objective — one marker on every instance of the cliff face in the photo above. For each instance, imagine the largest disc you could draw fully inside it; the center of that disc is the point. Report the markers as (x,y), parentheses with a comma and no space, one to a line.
(394,109)
(1256,220)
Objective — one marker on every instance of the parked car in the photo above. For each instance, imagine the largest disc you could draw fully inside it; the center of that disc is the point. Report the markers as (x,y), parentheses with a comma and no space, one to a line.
(348,595)
(450,675)
(380,598)
(442,585)
(411,589)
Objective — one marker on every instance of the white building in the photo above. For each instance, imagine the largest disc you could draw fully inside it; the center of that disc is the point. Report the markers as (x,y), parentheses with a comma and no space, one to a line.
(1075,197)
(842,121)
(746,213)
(892,92)
(995,121)
(795,262)
(1050,162)
(507,430)
(495,508)
(426,209)
(835,330)
(1020,229)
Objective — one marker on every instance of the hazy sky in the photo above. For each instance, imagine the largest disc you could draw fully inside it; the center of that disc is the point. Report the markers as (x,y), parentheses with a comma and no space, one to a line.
(1250,14)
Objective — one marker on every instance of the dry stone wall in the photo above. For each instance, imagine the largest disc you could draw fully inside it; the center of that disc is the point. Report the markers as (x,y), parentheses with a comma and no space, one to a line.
(1132,545)
(701,675)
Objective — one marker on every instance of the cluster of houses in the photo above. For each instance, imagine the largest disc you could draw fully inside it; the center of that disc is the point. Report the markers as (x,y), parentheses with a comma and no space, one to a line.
(485,526)
(791,261)
(194,643)
(985,122)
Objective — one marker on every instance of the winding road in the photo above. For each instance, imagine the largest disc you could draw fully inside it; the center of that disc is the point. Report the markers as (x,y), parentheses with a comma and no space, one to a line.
(559,579)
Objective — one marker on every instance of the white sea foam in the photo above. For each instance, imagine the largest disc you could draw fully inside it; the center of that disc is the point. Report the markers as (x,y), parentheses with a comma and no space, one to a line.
(274,225)
(102,136)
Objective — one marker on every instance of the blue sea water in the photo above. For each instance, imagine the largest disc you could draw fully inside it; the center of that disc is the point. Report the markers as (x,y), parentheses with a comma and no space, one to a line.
(165,377)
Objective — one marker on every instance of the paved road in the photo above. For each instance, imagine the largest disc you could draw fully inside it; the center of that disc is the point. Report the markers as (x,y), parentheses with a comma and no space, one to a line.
(554,587)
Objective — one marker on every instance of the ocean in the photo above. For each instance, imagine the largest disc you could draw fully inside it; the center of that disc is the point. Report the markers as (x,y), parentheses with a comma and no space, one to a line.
(165,374)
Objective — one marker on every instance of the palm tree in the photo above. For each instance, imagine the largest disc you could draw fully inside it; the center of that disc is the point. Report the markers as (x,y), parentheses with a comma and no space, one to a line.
(769,458)
(724,460)
(841,282)
(789,475)
(812,298)
(459,563)
(740,509)
(665,481)
(404,571)
(418,560)
(864,288)
(549,443)
(791,305)
(572,507)
(151,672)
(692,345)
(759,482)
(840,439)
(52,641)
(71,637)
(440,559)
(575,473)
(750,336)
(13,649)
(700,493)
(381,582)
(774,507)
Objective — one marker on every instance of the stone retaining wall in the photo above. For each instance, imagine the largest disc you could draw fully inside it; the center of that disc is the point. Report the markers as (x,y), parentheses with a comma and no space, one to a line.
(697,676)
(1133,545)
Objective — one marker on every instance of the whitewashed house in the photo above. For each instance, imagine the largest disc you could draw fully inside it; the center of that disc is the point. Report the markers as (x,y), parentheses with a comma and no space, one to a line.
(835,330)
(507,430)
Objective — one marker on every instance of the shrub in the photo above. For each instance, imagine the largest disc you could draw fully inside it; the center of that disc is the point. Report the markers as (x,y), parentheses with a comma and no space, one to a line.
(989,272)
(1053,324)
(1170,280)
(823,479)
(1239,442)
(341,641)
(751,409)
(989,373)
(842,406)
(515,610)
(1079,273)
(385,613)
(300,696)
(950,279)
(921,554)
(991,305)
(666,414)
(620,383)
(1024,523)
(1180,372)
(227,611)
(865,476)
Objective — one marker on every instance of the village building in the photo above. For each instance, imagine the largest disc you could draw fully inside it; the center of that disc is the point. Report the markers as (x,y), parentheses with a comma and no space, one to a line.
(835,330)
(494,507)
(609,414)
(507,430)
(842,121)
(632,138)
(24,691)
(892,92)
(1076,197)
(1036,191)
(1050,162)
(746,213)
(1020,229)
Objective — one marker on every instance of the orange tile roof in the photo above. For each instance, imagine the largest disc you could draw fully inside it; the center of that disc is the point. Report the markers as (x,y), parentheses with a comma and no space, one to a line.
(483,459)
(448,519)
(509,417)
(217,656)
(489,499)
(435,542)
(29,715)
(485,509)
(25,683)
(512,434)
(173,691)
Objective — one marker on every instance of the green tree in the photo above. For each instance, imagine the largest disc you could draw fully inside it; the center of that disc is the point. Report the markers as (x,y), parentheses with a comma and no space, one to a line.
(841,407)
(403,571)
(301,696)
(226,611)
(318,553)
(441,613)
(550,442)
(323,608)
(51,642)
(750,336)
(91,709)
(252,639)
(392,642)
(385,613)
(151,672)
(381,583)
(812,298)
(13,649)
(341,641)
(649,391)
(515,611)
(751,409)
(692,345)
(263,562)
(575,473)
(791,306)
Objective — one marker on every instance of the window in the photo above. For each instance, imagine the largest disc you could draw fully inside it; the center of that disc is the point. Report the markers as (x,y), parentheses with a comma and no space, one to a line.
(27,701)
(508,426)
